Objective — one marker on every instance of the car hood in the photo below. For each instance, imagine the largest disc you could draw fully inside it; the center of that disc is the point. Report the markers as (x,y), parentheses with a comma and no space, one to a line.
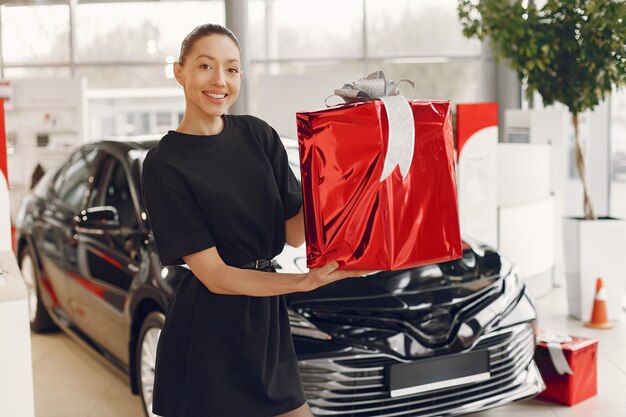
(414,289)
(428,308)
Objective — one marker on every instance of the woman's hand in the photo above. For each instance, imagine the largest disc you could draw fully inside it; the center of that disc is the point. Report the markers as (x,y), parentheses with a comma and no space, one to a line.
(220,278)
(328,273)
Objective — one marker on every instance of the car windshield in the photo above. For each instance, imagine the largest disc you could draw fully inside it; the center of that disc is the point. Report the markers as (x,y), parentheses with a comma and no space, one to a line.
(138,155)
(294,160)
(291,146)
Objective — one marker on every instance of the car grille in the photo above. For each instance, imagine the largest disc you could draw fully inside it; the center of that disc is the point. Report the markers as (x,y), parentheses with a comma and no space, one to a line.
(356,385)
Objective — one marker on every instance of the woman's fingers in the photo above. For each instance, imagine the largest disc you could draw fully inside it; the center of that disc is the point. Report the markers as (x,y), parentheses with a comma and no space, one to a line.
(329,268)
(329,273)
(337,275)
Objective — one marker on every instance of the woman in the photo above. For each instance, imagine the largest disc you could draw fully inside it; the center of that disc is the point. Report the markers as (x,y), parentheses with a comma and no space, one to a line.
(222,199)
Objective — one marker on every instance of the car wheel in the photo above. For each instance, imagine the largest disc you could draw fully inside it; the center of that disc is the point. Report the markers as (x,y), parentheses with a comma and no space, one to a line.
(40,320)
(146,357)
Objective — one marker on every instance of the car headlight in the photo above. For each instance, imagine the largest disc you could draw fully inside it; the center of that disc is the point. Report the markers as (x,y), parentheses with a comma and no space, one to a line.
(512,282)
(300,326)
(513,289)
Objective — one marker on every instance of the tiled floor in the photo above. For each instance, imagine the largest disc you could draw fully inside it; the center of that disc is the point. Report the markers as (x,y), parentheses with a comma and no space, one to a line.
(611,398)
(69,382)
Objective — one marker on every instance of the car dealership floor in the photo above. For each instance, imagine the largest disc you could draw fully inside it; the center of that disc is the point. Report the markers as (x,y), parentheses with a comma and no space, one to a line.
(71,382)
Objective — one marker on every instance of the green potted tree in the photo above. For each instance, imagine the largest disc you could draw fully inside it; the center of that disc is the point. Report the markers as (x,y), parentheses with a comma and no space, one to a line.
(572,52)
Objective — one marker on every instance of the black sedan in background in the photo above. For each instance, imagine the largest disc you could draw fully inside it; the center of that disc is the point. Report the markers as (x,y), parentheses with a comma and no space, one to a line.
(442,339)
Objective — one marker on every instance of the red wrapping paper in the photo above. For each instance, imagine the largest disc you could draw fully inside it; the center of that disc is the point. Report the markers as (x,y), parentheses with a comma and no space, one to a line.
(581,354)
(354,218)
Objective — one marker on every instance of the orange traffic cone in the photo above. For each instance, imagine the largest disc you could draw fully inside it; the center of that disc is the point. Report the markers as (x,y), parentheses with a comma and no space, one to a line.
(599,318)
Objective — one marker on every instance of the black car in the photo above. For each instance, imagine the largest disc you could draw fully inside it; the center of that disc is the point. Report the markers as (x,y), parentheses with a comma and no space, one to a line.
(442,339)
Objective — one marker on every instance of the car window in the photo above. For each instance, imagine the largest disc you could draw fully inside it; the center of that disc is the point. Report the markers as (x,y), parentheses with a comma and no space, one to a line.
(42,186)
(137,156)
(294,159)
(57,181)
(113,189)
(72,183)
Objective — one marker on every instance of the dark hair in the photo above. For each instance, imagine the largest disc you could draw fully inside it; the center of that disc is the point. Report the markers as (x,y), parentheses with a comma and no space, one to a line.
(200,32)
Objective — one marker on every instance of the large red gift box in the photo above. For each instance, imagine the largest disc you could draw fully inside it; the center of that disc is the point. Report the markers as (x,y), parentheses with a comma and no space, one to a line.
(569,389)
(360,212)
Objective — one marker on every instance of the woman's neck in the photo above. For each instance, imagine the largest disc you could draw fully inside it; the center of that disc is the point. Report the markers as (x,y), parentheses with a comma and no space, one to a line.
(208,125)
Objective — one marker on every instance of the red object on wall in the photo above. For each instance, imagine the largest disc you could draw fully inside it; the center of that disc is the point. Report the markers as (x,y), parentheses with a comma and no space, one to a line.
(353,217)
(472,117)
(581,354)
(3,144)
(3,161)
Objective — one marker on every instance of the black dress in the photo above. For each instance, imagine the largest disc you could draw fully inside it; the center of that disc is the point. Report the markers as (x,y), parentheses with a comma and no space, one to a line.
(223,355)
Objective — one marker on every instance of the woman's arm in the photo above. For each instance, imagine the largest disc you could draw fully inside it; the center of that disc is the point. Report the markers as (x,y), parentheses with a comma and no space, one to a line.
(294,229)
(220,278)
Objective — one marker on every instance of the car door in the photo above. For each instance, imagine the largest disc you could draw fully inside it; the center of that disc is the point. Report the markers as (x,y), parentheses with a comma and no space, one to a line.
(53,230)
(109,260)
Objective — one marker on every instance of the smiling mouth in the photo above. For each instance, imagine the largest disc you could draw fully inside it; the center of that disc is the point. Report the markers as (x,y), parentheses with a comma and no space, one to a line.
(214,95)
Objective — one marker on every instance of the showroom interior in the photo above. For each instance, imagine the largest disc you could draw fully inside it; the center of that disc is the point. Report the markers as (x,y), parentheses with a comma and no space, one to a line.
(88,87)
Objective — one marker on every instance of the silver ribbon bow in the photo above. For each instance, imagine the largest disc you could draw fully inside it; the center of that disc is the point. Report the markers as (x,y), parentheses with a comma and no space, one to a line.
(554,340)
(401,142)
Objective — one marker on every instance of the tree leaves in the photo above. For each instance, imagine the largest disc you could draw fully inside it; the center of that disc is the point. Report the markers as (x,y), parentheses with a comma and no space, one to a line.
(570,51)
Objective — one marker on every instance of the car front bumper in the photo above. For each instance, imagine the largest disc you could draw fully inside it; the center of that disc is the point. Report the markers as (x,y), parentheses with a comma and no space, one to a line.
(355,385)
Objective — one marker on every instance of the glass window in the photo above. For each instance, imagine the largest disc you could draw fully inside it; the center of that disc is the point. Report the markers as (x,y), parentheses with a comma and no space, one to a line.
(294,29)
(163,119)
(57,181)
(125,76)
(618,154)
(137,124)
(294,160)
(329,68)
(35,34)
(303,86)
(306,85)
(75,178)
(456,80)
(107,126)
(36,72)
(139,31)
(416,28)
(258,47)
(114,190)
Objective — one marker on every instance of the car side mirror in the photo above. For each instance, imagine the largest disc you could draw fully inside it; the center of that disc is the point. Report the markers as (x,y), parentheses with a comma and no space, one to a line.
(97,219)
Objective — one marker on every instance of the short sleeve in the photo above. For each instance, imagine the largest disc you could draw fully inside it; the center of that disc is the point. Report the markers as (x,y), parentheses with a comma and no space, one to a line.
(177,223)
(288,185)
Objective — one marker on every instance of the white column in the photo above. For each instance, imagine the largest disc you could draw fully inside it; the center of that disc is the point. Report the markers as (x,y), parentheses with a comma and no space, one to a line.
(598,158)
(16,372)
(237,21)
(73,4)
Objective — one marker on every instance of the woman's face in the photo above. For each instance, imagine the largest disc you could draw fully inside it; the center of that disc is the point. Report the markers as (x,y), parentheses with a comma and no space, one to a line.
(211,74)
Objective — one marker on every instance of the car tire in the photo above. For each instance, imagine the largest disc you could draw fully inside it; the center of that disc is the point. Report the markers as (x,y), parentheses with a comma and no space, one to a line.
(40,320)
(146,358)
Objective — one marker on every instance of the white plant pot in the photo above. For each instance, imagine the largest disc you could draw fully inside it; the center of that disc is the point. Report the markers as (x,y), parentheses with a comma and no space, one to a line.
(594,249)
